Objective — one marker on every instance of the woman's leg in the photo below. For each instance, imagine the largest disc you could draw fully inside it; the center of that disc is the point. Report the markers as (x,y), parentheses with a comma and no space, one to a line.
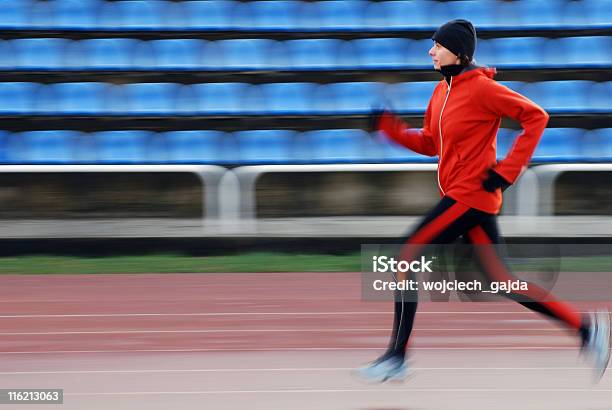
(443,224)
(485,236)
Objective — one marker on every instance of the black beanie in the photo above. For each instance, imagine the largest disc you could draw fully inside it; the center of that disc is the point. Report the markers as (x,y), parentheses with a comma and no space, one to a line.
(459,36)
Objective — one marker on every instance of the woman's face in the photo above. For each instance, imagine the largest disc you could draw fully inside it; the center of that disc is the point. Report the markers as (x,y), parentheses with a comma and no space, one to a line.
(442,56)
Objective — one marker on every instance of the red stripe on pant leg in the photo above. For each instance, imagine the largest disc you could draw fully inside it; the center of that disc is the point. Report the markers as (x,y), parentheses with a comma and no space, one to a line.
(498,272)
(426,234)
(429,231)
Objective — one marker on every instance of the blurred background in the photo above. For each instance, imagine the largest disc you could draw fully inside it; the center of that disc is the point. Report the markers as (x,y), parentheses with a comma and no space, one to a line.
(232,136)
(248,119)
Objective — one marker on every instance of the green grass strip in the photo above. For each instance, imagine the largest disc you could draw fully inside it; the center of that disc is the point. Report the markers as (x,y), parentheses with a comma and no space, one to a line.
(248,262)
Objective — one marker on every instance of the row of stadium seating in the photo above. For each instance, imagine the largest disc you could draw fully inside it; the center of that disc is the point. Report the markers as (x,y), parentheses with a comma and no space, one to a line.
(299,15)
(303,54)
(264,146)
(93,98)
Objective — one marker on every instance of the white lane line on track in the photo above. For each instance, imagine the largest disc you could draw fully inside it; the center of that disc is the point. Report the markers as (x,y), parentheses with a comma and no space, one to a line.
(285,349)
(259,314)
(297,369)
(407,390)
(119,332)
(191,314)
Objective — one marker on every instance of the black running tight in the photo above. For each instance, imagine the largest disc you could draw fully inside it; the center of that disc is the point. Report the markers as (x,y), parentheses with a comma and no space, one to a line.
(444,224)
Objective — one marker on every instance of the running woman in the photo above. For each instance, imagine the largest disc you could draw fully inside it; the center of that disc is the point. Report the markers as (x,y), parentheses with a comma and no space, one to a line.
(460,127)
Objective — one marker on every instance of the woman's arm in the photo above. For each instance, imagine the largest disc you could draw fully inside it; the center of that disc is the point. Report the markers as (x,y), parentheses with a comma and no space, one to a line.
(420,141)
(501,101)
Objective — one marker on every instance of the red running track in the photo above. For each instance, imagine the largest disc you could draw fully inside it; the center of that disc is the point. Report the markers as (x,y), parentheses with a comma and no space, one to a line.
(101,324)
(241,311)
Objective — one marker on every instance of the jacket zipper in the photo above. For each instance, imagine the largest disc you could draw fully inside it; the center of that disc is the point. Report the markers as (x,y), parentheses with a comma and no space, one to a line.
(440,132)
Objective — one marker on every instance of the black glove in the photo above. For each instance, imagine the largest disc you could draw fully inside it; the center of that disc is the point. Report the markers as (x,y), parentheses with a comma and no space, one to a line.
(379,107)
(494,181)
(374,119)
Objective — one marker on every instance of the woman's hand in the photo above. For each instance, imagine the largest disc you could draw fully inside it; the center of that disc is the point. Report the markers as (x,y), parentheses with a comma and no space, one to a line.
(374,118)
(494,181)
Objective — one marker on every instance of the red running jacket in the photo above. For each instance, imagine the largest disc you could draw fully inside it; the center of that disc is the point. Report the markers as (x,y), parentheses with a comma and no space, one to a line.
(460,127)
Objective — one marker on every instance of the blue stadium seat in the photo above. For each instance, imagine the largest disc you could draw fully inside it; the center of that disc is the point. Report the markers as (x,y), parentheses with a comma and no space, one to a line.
(44,100)
(334,14)
(11,148)
(133,14)
(575,14)
(559,144)
(79,98)
(597,145)
(354,97)
(482,13)
(39,53)
(288,98)
(599,98)
(174,16)
(373,150)
(208,14)
(418,53)
(17,98)
(405,13)
(246,54)
(74,14)
(126,147)
(340,145)
(280,14)
(323,101)
(185,101)
(157,149)
(40,15)
(4,137)
(151,98)
(382,52)
(265,146)
(514,85)
(505,139)
(45,147)
(312,54)
(212,57)
(196,146)
(14,14)
(178,54)
(143,57)
(581,51)
(486,53)
(220,98)
(560,96)
(253,101)
(7,55)
(597,12)
(411,97)
(393,152)
(108,53)
(535,13)
(522,52)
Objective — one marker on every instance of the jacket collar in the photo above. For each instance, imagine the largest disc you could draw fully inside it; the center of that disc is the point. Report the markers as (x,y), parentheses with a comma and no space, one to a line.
(472,71)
